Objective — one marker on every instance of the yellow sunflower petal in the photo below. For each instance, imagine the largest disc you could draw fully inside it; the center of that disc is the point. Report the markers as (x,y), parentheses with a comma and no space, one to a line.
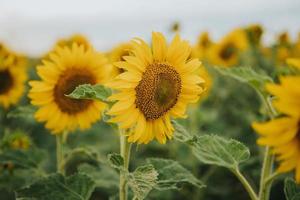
(159,46)
(283,138)
(275,126)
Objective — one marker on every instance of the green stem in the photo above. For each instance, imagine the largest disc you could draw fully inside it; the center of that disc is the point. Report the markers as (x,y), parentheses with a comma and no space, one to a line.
(125,153)
(59,154)
(265,187)
(271,178)
(267,168)
(245,183)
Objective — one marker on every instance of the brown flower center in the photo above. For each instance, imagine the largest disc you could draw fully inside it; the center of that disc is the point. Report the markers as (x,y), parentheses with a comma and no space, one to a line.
(6,81)
(158,90)
(227,51)
(67,82)
(204,42)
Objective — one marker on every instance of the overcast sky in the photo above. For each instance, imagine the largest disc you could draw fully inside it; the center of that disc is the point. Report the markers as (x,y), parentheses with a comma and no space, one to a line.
(32,26)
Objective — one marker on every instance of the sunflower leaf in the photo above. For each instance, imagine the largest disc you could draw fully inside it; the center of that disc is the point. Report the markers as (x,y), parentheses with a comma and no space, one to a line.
(103,175)
(291,189)
(215,150)
(88,91)
(181,134)
(246,75)
(142,180)
(58,187)
(22,112)
(172,174)
(116,161)
(23,159)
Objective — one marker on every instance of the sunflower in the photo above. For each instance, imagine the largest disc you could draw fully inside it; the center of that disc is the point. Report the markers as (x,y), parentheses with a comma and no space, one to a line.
(283,39)
(226,53)
(283,48)
(254,33)
(158,84)
(7,57)
(294,62)
(202,46)
(16,140)
(204,74)
(175,27)
(117,54)
(12,78)
(283,133)
(76,38)
(296,47)
(3,51)
(66,69)
(282,53)
(208,81)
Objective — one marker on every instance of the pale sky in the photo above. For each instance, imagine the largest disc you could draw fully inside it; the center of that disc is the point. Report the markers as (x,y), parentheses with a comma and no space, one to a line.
(32,26)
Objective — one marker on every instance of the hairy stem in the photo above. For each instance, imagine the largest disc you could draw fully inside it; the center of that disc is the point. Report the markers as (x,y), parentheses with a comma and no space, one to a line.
(59,154)
(246,184)
(267,168)
(125,153)
(265,187)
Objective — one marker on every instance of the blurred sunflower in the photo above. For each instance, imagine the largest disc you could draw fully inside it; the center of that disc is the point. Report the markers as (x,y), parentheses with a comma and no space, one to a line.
(8,57)
(254,33)
(175,27)
(226,53)
(203,73)
(283,39)
(282,134)
(207,85)
(282,53)
(296,49)
(76,38)
(202,46)
(3,51)
(294,62)
(158,84)
(16,140)
(283,48)
(12,78)
(117,55)
(66,69)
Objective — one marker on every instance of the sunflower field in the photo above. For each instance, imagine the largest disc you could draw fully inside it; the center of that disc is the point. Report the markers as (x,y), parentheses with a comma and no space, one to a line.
(153,118)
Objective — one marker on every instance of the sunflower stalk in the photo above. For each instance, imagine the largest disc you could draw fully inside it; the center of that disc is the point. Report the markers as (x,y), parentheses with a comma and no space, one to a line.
(125,148)
(60,153)
(267,168)
(245,183)
(265,187)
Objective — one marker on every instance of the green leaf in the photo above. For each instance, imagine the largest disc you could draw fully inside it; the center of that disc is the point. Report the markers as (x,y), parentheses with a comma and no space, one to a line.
(24,159)
(104,176)
(142,181)
(172,174)
(22,112)
(77,156)
(58,187)
(215,150)
(180,133)
(116,161)
(246,75)
(291,189)
(88,91)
